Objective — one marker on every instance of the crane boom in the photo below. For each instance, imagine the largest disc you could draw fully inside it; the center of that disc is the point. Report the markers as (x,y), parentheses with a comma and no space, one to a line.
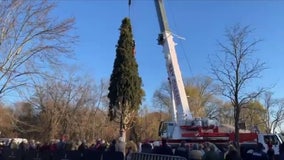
(180,108)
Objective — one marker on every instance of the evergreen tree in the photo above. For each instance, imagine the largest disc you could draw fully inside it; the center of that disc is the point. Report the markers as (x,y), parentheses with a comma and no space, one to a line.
(125,90)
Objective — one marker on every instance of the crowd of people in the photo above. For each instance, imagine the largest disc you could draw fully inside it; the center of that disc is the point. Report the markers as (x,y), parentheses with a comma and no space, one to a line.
(206,151)
(196,151)
(63,144)
(209,151)
(56,146)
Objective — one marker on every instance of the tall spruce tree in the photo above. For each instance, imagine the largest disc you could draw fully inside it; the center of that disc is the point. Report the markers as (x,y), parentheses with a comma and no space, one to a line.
(125,90)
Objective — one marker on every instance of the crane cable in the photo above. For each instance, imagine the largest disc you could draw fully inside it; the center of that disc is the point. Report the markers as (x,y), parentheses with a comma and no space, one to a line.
(133,43)
(180,41)
(129,4)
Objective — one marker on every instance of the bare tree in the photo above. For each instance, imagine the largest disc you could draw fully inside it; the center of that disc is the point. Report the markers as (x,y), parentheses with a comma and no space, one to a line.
(31,41)
(274,112)
(226,114)
(26,120)
(277,115)
(236,68)
(7,121)
(213,109)
(70,106)
(269,103)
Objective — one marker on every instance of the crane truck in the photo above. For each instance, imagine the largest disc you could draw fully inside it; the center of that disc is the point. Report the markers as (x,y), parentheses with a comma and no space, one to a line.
(183,126)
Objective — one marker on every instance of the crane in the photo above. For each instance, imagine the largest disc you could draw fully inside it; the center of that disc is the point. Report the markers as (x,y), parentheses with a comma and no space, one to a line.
(183,126)
(182,119)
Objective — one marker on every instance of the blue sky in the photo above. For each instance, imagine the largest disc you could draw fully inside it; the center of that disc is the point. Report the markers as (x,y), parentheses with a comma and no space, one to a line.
(202,23)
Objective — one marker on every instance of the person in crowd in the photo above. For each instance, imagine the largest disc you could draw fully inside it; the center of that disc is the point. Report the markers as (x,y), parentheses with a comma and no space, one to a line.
(53,146)
(131,147)
(32,145)
(83,146)
(146,147)
(13,144)
(1,147)
(111,147)
(281,151)
(195,153)
(232,153)
(206,147)
(61,144)
(259,154)
(24,146)
(69,145)
(45,147)
(75,145)
(96,145)
(92,147)
(270,152)
(156,146)
(201,148)
(182,150)
(129,151)
(164,149)
(120,146)
(131,144)
(102,146)
(211,154)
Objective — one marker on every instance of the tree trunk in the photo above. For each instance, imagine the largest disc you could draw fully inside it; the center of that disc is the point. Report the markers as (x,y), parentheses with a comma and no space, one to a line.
(237,135)
(122,132)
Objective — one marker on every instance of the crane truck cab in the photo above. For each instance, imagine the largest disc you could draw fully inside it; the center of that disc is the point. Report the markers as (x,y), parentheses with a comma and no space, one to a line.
(270,139)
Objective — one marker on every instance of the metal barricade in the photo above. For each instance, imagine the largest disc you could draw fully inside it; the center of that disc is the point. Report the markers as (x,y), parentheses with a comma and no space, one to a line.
(148,156)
